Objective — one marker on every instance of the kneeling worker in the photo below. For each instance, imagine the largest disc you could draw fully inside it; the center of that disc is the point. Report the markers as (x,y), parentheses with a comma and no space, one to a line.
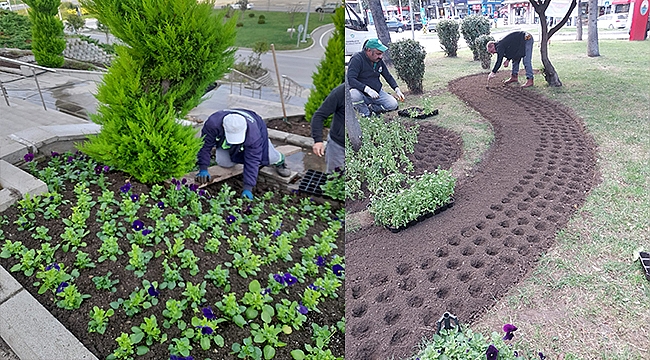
(240,137)
(334,153)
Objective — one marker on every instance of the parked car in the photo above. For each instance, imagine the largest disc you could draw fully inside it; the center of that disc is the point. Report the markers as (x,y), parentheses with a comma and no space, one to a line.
(431,25)
(395,25)
(4,6)
(417,25)
(237,6)
(612,21)
(328,8)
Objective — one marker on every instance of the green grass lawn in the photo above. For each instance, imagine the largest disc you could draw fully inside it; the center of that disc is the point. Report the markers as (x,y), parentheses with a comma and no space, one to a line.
(587,298)
(274,31)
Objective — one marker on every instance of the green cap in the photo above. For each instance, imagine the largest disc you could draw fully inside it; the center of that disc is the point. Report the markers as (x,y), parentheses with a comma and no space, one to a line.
(375,44)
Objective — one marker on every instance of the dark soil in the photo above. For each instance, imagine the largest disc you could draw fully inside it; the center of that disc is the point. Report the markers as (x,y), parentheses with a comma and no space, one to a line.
(297,125)
(536,174)
(436,148)
(102,345)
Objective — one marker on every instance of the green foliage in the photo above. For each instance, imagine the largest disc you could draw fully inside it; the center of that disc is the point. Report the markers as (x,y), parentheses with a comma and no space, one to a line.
(408,58)
(466,344)
(16,31)
(172,51)
(48,41)
(483,54)
(448,35)
(330,72)
(472,27)
(74,22)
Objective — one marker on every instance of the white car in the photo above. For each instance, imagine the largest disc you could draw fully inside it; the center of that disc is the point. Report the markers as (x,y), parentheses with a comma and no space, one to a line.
(4,6)
(328,8)
(612,21)
(237,6)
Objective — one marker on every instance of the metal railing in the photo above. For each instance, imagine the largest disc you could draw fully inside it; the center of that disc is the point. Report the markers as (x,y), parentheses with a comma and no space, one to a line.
(33,68)
(245,82)
(291,88)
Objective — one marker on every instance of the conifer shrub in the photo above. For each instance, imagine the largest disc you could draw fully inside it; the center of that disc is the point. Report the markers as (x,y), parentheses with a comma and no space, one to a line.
(261,21)
(240,24)
(16,31)
(330,73)
(408,58)
(173,50)
(472,27)
(483,55)
(448,34)
(262,17)
(251,15)
(48,41)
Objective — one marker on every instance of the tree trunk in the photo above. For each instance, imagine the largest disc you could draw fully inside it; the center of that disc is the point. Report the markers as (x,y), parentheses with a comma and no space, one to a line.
(579,22)
(380,27)
(551,76)
(592,29)
(351,123)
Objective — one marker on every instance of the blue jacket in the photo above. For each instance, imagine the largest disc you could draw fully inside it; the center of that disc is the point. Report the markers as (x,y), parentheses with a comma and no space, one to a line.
(253,153)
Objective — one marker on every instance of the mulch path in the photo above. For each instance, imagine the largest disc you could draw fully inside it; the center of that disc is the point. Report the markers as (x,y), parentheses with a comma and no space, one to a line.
(536,174)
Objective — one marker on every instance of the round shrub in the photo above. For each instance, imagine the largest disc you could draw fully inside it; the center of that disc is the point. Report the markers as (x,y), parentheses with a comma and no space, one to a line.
(408,58)
(483,54)
(240,24)
(261,21)
(262,17)
(251,15)
(448,35)
(472,27)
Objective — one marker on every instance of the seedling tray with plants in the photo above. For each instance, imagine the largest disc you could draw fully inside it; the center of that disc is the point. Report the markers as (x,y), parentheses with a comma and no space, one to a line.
(417,112)
(644,259)
(139,271)
(422,217)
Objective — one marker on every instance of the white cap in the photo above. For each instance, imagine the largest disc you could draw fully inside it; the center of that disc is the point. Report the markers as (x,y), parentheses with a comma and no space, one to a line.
(235,128)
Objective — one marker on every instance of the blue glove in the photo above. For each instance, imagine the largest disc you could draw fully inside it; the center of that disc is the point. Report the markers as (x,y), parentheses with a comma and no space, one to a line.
(202,177)
(247,194)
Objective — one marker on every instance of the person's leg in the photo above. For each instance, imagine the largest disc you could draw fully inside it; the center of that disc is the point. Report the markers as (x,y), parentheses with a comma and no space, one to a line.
(275,157)
(385,102)
(359,101)
(222,157)
(515,68)
(528,65)
(334,156)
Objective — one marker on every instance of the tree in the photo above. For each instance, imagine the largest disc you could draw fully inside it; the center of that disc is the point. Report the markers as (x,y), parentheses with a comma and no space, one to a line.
(103,28)
(292,14)
(380,26)
(592,29)
(330,72)
(168,54)
(48,40)
(540,6)
(75,22)
(579,22)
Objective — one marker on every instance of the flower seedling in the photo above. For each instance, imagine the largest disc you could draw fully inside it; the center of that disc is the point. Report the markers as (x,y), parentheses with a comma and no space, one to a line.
(125,349)
(83,261)
(72,298)
(229,306)
(206,330)
(174,312)
(99,319)
(247,349)
(257,301)
(189,261)
(105,283)
(171,276)
(267,334)
(195,294)
(288,314)
(138,260)
(109,249)
(219,277)
(180,347)
(150,332)
(52,276)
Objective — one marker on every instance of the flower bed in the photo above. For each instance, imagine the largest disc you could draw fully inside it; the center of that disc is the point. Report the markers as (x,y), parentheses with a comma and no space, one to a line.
(417,112)
(157,272)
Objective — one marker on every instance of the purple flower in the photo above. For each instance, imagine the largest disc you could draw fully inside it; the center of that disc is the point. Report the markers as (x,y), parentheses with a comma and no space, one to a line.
(314,287)
(337,270)
(161,205)
(98,169)
(290,279)
(207,312)
(202,193)
(153,292)
(138,225)
(64,285)
(178,357)
(29,157)
(266,291)
(295,192)
(194,187)
(541,356)
(492,352)
(206,330)
(230,219)
(135,197)
(509,330)
(146,232)
(53,266)
(125,188)
(106,168)
(277,233)
(516,353)
(70,159)
(54,154)
(184,181)
(320,261)
(178,186)
(279,278)
(247,210)
(302,309)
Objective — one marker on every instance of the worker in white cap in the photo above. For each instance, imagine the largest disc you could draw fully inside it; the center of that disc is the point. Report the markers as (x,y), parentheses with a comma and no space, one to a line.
(240,137)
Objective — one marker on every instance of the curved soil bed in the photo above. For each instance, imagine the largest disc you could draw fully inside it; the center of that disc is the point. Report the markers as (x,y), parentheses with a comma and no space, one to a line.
(536,174)
(436,147)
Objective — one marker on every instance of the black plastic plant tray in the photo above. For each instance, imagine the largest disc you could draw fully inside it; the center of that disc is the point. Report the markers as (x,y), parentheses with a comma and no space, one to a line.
(421,113)
(312,181)
(644,259)
(422,217)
